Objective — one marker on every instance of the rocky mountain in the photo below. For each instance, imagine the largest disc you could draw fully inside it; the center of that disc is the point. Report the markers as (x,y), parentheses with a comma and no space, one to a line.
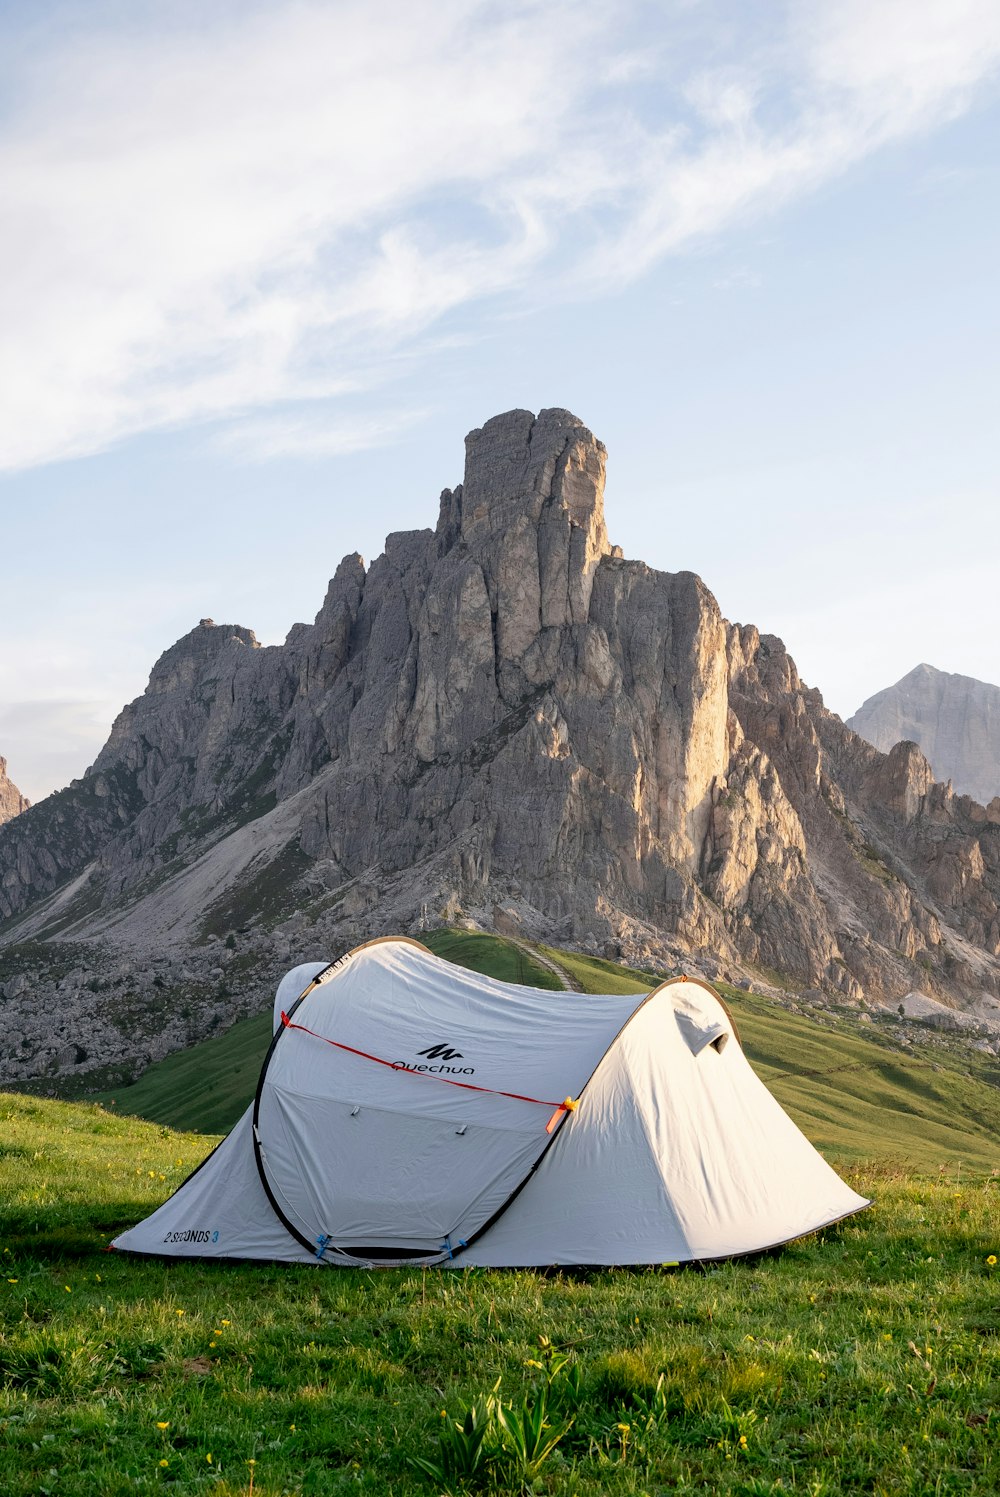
(955,720)
(12,802)
(501,719)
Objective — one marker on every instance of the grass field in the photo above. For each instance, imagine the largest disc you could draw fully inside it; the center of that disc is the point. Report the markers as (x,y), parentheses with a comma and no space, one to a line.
(865,1359)
(854,1094)
(489,954)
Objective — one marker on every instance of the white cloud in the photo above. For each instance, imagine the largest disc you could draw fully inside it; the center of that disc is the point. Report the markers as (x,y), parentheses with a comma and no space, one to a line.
(196,225)
(849,79)
(310,432)
(207,217)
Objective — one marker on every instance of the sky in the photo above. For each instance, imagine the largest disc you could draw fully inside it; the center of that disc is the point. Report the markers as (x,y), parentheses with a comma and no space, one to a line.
(263,265)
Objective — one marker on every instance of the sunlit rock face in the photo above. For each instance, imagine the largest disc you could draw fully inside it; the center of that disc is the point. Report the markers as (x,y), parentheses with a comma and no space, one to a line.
(500,718)
(12,802)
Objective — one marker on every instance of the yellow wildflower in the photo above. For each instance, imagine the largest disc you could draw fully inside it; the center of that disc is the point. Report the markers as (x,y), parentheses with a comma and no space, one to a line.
(164,1463)
(163,1424)
(209,1457)
(991,1261)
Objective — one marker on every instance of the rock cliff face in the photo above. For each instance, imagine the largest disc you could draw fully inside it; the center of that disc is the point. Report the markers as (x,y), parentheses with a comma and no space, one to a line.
(501,717)
(12,802)
(955,720)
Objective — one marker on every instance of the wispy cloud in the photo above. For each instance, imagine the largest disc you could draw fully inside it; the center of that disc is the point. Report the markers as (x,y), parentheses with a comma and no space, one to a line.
(312,432)
(847,79)
(208,217)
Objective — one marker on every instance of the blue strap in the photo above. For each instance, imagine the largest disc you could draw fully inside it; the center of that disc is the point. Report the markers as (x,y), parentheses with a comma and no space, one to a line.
(321,1242)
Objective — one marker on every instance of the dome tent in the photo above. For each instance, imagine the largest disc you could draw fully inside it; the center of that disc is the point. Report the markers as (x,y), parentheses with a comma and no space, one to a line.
(411,1111)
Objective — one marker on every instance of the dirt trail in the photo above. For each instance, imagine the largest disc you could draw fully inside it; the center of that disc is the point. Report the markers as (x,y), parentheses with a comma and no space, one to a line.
(566,979)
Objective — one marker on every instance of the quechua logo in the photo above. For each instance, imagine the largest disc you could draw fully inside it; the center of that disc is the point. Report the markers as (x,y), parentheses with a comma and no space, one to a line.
(439,1053)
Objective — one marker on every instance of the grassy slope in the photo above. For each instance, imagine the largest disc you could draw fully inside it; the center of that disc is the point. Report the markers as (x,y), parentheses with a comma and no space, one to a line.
(489,954)
(854,1097)
(864,1359)
(857,1098)
(205,1088)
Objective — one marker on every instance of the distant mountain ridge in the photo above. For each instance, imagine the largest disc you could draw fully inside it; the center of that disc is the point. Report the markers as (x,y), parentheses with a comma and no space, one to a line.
(501,719)
(954,720)
(12,802)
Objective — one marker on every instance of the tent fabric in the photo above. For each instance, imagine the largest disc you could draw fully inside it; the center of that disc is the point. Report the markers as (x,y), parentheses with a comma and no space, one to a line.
(292,986)
(412,1111)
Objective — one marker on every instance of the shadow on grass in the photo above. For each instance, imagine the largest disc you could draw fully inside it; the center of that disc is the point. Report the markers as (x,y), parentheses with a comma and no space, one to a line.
(48,1233)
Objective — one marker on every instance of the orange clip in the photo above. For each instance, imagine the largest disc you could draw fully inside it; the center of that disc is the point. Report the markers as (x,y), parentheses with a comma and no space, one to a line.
(569,1105)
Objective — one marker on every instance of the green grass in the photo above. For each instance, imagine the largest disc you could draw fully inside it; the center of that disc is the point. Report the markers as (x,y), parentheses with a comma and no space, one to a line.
(860,1098)
(865,1359)
(205,1088)
(595,975)
(491,955)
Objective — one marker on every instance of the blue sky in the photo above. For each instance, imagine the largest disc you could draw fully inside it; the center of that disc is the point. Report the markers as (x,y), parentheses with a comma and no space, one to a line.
(261,272)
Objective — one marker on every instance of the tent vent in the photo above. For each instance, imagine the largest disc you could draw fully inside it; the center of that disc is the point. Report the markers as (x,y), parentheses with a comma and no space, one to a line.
(355,1111)
(461,1130)
(720,1042)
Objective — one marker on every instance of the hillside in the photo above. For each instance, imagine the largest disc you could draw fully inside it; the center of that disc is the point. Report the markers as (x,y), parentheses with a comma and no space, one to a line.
(503,719)
(955,721)
(856,1091)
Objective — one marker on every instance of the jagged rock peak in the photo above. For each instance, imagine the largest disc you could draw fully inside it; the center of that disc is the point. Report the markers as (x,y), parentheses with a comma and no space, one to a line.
(903,779)
(182,663)
(12,802)
(518,464)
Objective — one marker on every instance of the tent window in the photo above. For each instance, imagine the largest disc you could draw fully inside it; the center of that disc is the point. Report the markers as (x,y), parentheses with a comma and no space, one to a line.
(378,1253)
(699,1032)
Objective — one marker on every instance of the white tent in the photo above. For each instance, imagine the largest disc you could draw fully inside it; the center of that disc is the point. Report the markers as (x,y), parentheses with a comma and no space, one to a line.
(409,1110)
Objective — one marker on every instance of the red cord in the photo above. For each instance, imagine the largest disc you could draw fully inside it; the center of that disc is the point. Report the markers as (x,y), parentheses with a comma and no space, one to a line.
(424,1075)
